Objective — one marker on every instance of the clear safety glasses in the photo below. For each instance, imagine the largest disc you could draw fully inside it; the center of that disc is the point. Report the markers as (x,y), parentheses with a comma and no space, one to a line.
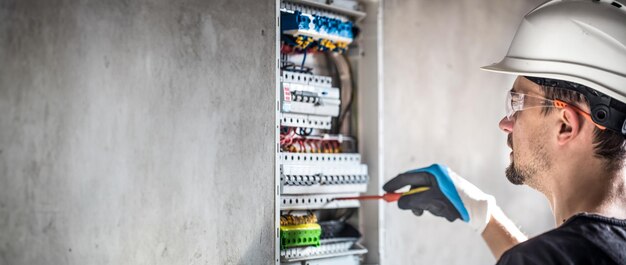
(518,101)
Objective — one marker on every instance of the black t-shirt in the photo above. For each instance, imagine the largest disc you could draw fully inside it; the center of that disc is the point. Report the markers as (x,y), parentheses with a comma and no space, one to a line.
(582,239)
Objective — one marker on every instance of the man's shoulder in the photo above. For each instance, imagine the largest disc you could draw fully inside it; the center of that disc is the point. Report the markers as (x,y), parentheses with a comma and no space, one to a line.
(584,239)
(552,247)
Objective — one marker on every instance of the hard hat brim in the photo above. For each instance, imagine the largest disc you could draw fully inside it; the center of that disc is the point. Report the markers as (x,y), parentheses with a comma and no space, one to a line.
(546,69)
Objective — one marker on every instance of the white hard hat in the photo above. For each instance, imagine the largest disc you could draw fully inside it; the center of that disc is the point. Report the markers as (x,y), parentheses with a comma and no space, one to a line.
(579,41)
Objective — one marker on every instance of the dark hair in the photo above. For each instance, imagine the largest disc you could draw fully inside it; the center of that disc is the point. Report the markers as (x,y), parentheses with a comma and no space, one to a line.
(608,144)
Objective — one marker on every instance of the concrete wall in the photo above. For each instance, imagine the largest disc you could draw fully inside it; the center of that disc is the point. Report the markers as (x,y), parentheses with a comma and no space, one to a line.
(136,132)
(439,107)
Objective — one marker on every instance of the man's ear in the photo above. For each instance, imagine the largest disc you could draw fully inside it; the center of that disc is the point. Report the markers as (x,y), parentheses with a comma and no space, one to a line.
(569,125)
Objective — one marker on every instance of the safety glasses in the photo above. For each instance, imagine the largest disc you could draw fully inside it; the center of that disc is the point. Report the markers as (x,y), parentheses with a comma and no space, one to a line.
(518,101)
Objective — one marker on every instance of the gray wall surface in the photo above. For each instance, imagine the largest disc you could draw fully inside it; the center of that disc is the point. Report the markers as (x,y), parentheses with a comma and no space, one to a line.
(137,132)
(440,107)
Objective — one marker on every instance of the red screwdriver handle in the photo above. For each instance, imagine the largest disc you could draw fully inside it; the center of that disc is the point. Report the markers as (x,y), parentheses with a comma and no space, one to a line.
(392,197)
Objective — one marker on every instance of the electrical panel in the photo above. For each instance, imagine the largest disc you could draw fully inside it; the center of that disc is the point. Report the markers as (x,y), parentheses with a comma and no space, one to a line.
(318,159)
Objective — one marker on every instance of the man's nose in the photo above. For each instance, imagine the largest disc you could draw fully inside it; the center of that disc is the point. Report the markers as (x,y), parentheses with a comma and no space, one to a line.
(506,125)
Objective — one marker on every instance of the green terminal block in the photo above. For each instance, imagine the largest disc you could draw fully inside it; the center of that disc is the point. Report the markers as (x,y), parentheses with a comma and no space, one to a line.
(300,235)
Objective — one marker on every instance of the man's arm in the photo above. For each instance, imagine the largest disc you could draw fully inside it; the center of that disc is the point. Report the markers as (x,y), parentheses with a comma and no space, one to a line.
(451,196)
(501,233)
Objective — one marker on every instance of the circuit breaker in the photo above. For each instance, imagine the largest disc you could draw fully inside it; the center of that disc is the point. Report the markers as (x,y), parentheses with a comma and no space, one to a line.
(318,159)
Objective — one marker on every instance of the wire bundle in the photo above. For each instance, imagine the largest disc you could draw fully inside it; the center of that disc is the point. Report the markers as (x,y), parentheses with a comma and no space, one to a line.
(304,42)
(297,220)
(304,142)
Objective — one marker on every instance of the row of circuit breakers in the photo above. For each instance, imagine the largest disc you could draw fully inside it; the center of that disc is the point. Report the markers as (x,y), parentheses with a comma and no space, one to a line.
(314,168)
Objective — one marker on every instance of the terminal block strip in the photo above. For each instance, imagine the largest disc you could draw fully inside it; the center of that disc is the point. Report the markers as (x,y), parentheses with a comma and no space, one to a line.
(313,7)
(346,174)
(303,173)
(317,201)
(311,26)
(306,79)
(318,27)
(341,260)
(313,159)
(306,121)
(303,184)
(300,235)
(322,173)
(325,250)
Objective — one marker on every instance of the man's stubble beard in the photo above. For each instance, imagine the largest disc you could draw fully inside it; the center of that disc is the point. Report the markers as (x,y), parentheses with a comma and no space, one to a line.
(526,173)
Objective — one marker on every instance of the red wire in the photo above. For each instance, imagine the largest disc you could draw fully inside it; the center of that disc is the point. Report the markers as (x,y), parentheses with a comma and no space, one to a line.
(326,146)
(336,146)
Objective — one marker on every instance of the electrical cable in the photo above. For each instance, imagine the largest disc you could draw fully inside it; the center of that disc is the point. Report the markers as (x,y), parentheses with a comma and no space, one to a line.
(287,65)
(303,60)
(347,85)
(353,87)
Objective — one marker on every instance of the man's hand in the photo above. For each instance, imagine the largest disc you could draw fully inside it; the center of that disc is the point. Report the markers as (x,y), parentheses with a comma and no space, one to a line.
(449,196)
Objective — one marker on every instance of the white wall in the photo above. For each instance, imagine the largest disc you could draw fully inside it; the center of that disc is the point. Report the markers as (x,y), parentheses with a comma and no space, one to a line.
(440,107)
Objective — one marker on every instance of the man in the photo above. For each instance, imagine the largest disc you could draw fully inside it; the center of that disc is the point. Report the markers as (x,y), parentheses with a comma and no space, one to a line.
(566,126)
